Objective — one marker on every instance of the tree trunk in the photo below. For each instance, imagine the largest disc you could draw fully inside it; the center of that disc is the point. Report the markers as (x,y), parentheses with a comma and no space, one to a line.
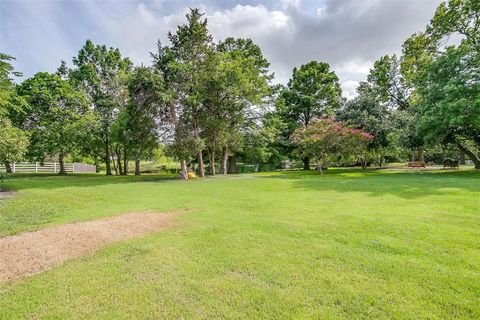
(61,161)
(232,164)
(462,158)
(223,169)
(201,165)
(380,158)
(319,168)
(137,167)
(306,163)
(125,162)
(183,169)
(97,165)
(114,163)
(420,154)
(8,167)
(108,167)
(211,161)
(119,163)
(475,158)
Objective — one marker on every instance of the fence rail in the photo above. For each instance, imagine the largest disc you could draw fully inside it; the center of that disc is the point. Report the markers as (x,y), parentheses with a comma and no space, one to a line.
(30,167)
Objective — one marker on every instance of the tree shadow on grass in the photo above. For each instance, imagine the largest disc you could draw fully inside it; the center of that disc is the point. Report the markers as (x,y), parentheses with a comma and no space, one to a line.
(401,183)
(22,181)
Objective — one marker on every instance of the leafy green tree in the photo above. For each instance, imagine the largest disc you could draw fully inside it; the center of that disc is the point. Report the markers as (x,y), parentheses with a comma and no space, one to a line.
(456,17)
(135,130)
(312,92)
(7,75)
(365,112)
(101,73)
(418,51)
(211,88)
(259,142)
(387,82)
(13,140)
(236,82)
(444,77)
(449,106)
(56,115)
(395,92)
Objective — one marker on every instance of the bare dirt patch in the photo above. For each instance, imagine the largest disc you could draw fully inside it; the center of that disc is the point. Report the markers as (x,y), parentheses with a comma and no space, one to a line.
(29,253)
(4,194)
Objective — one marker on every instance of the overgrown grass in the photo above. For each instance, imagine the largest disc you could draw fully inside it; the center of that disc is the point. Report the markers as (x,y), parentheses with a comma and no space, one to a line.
(349,244)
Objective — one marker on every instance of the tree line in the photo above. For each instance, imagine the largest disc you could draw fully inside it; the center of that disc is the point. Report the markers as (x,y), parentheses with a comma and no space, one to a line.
(210,103)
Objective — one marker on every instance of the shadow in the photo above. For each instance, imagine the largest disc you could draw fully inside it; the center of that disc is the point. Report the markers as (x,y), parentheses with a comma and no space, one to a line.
(21,181)
(406,184)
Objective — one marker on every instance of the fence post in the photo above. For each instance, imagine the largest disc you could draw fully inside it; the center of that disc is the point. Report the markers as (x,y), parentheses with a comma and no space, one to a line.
(73,168)
(54,167)
(14,167)
(36,167)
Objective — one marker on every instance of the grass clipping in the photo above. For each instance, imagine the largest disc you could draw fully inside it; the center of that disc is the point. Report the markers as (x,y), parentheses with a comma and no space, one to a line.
(33,252)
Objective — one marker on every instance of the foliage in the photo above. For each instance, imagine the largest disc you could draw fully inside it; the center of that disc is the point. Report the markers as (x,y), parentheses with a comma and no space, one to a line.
(456,17)
(213,89)
(13,141)
(182,64)
(447,83)
(365,112)
(259,143)
(7,74)
(312,92)
(55,119)
(450,96)
(325,139)
(100,73)
(135,131)
(387,82)
(206,98)
(236,82)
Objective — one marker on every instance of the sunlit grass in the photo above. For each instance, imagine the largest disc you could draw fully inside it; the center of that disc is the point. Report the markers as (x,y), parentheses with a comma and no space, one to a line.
(348,244)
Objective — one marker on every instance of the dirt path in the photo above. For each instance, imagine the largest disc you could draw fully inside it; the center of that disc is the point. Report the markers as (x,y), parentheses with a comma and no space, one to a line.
(4,194)
(29,253)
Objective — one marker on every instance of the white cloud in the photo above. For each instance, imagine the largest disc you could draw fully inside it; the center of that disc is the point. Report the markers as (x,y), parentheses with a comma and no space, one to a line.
(348,34)
(349,88)
(354,67)
(290,3)
(247,21)
(320,11)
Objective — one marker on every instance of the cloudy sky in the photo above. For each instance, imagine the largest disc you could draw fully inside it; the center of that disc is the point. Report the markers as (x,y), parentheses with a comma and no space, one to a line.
(348,34)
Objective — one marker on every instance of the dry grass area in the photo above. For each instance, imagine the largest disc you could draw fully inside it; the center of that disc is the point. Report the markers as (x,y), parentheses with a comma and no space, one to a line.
(4,194)
(33,252)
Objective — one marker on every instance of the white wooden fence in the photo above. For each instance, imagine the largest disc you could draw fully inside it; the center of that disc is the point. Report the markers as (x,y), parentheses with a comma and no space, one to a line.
(30,167)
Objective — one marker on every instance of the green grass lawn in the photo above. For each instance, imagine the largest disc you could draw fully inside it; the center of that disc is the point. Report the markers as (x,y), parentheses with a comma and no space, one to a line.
(346,245)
